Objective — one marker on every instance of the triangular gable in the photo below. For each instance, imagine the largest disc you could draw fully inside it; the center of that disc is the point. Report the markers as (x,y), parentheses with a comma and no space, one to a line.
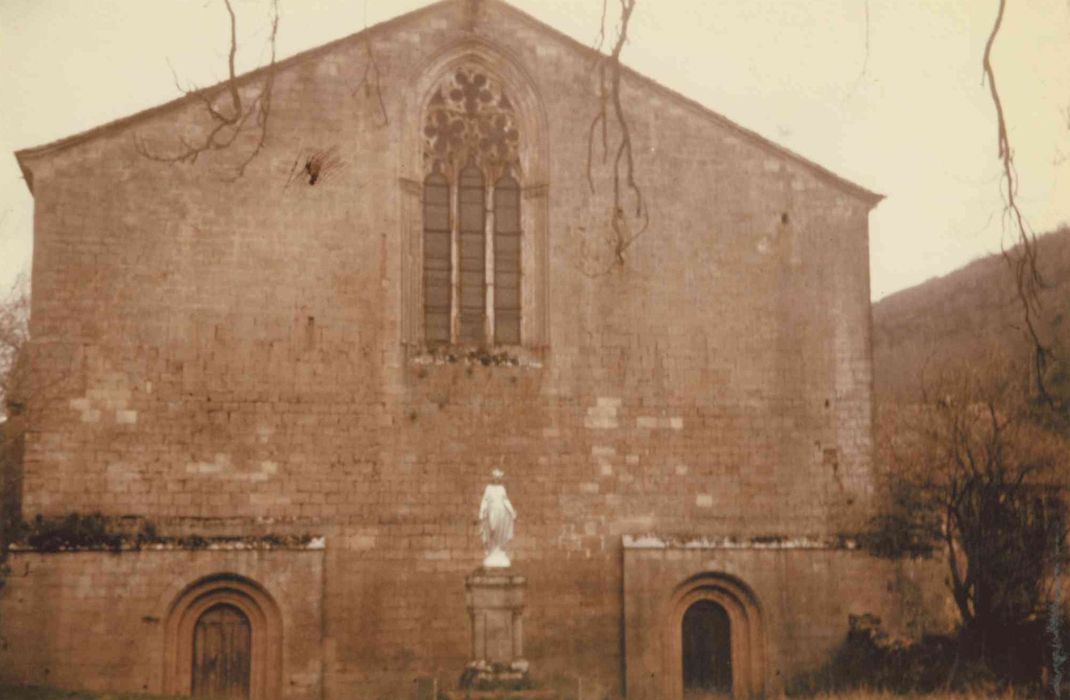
(867,196)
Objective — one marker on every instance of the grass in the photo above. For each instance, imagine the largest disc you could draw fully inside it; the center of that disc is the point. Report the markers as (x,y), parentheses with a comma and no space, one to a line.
(879,695)
(15,692)
(36,692)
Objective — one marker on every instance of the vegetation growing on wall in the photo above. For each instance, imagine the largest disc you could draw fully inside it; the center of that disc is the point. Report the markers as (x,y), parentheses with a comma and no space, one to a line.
(97,532)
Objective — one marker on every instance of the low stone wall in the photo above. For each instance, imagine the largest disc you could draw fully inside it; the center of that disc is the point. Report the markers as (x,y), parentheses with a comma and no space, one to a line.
(98,620)
(788,603)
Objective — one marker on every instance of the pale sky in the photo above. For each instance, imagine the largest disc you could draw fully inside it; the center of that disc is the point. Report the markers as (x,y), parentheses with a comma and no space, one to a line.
(912,121)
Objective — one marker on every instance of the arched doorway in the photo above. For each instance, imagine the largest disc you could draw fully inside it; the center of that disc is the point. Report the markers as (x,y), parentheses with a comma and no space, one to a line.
(714,644)
(706,648)
(223,639)
(221,654)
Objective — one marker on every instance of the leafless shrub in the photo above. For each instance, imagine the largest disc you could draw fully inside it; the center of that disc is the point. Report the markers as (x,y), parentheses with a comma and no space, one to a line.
(14,333)
(971,474)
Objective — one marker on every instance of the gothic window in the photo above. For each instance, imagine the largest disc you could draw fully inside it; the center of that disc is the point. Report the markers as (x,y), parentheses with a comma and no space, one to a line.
(471,213)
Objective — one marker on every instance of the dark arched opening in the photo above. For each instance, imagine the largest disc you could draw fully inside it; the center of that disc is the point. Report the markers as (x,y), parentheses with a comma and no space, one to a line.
(707,650)
(222,654)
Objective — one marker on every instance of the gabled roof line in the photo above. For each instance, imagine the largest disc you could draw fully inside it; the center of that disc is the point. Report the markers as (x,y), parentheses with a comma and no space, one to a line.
(25,154)
(241,80)
(871,197)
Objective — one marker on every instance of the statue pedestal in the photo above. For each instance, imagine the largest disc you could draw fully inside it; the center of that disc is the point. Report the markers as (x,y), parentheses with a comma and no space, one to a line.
(495,599)
(497,668)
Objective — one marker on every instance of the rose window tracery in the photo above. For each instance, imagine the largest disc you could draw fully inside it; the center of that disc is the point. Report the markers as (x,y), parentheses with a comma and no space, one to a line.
(470,120)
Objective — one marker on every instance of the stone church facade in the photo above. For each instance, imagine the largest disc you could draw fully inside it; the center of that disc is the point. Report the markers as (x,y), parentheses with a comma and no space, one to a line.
(301,378)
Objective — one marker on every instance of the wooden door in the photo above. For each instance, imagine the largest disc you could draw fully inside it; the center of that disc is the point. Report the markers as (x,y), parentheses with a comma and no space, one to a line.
(221,654)
(707,651)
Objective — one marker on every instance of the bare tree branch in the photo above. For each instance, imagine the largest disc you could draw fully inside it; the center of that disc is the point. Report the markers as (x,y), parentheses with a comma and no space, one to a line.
(601,41)
(599,119)
(1023,256)
(371,83)
(980,478)
(231,122)
(603,101)
(609,94)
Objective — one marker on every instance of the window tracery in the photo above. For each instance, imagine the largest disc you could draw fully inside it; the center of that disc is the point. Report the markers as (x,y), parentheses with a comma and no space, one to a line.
(472,223)
(470,119)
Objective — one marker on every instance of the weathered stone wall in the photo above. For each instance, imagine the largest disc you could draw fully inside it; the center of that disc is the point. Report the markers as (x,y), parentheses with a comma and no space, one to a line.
(96,620)
(209,348)
(801,593)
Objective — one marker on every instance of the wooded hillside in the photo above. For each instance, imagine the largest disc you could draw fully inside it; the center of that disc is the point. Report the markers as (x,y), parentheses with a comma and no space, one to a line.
(966,316)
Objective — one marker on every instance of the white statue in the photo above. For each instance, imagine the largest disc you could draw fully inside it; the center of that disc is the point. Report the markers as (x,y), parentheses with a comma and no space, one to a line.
(496,517)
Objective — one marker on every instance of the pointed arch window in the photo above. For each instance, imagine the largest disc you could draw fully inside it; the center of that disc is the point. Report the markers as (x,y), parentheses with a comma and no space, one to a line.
(471,214)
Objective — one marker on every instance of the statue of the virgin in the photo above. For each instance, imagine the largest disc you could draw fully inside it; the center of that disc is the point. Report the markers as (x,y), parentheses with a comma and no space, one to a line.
(496,518)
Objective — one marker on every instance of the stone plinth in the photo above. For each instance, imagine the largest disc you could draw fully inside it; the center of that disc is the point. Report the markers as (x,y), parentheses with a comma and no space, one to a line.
(501,695)
(497,668)
(495,611)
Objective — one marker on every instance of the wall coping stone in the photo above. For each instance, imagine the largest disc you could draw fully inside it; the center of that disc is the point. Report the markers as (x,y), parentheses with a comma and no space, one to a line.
(651,541)
(223,545)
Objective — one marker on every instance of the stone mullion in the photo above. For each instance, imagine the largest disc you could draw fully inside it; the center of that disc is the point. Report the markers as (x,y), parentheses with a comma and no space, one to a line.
(455,259)
(488,257)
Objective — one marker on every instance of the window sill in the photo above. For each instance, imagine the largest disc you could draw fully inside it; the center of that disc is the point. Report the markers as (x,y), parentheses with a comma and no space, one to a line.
(470,355)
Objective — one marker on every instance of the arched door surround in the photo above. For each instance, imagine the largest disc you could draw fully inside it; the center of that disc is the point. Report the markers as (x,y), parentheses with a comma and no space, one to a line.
(746,636)
(242,598)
